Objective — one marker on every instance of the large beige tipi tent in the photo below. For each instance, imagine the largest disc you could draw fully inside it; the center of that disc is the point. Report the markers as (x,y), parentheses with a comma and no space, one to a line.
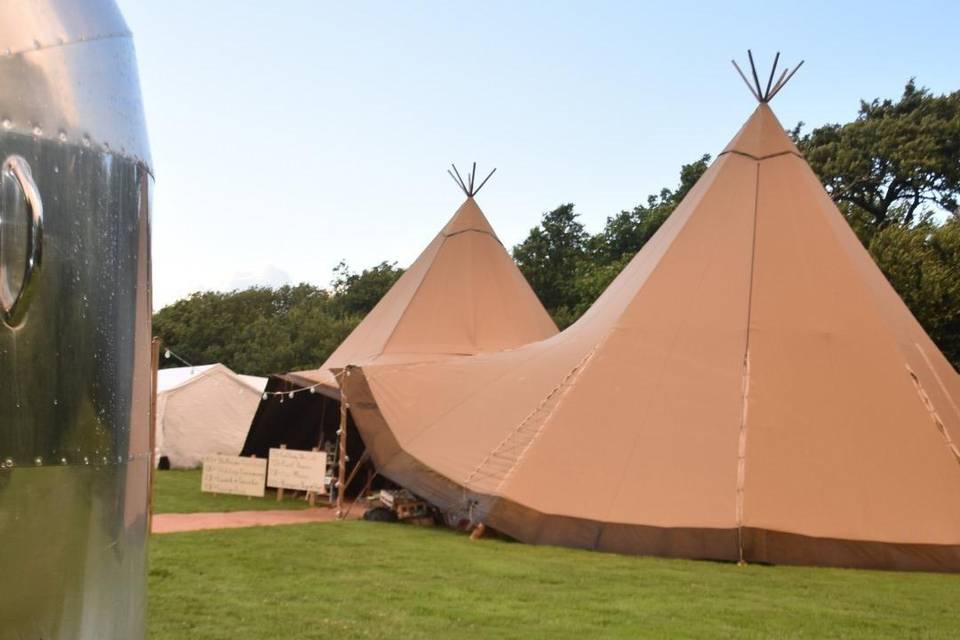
(463,295)
(749,388)
(203,410)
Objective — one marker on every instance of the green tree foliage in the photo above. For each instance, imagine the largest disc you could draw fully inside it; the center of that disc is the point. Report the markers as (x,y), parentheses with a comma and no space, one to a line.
(568,269)
(262,330)
(550,255)
(922,263)
(358,293)
(625,233)
(896,163)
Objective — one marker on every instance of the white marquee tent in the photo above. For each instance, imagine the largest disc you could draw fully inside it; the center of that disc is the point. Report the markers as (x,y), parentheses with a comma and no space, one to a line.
(203,410)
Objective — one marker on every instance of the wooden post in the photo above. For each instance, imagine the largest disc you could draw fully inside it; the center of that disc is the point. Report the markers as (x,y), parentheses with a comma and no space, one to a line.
(280,489)
(366,487)
(356,468)
(323,419)
(154,365)
(342,450)
(311,495)
(252,455)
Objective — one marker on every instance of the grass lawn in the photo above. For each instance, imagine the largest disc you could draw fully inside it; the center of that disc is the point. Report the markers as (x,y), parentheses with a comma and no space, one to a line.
(179,492)
(368,580)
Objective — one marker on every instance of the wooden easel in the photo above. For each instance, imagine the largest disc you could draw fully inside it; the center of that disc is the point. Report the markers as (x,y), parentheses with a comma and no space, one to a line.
(280,489)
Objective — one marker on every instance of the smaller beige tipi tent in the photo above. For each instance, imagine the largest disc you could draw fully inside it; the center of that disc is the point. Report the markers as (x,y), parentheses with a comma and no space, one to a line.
(201,411)
(462,296)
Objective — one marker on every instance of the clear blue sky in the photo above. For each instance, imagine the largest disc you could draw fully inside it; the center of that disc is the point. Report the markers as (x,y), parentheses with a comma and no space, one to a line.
(288,135)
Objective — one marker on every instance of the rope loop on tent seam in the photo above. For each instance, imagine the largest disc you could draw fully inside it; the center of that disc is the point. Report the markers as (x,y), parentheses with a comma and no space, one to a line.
(937,420)
(500,463)
(467,186)
(766,94)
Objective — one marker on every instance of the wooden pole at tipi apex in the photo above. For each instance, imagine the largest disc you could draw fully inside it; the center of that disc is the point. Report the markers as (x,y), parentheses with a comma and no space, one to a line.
(469,187)
(484,181)
(154,365)
(459,180)
(342,445)
(764,95)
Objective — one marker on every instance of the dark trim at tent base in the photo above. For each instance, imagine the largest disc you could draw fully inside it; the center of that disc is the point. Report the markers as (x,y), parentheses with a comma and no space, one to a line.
(760,546)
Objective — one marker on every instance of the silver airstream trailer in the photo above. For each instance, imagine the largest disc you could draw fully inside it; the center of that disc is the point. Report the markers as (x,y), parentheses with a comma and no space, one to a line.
(75,182)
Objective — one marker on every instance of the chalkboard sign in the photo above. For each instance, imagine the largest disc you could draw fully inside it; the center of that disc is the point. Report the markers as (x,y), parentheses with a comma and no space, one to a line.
(298,470)
(230,474)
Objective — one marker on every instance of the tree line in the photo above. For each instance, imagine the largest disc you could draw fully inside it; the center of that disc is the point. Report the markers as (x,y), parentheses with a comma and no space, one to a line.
(262,330)
(894,173)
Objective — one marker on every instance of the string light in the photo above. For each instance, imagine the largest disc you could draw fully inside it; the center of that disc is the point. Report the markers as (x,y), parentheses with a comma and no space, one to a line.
(290,393)
(168,353)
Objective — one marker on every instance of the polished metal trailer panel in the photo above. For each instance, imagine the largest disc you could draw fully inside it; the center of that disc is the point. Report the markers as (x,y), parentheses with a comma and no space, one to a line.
(75,186)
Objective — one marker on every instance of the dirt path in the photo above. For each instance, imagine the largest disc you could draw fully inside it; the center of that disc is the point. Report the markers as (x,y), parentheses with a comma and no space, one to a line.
(177,522)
